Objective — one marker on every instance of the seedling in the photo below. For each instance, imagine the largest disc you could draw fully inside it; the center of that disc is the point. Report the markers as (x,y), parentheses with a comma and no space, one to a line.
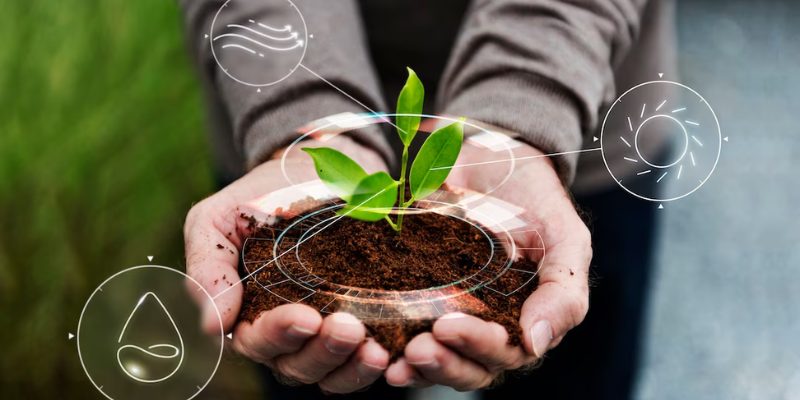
(372,197)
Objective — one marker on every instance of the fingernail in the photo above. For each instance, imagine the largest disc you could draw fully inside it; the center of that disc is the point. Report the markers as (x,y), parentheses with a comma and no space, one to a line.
(297,332)
(541,335)
(409,382)
(453,315)
(339,345)
(432,363)
(367,369)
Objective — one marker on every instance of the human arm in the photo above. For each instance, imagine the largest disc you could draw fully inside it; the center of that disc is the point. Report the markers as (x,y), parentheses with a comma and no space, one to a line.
(543,69)
(294,340)
(258,121)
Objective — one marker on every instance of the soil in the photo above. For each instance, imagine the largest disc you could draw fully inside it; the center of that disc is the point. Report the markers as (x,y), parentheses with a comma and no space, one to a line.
(432,250)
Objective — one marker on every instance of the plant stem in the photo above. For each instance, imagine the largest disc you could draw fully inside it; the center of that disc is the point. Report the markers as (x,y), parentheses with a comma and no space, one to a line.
(389,220)
(402,198)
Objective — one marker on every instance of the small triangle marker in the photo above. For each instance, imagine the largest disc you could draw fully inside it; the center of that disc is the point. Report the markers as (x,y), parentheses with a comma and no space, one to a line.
(206,36)
(230,336)
(259,90)
(150,258)
(311,35)
(660,75)
(70,336)
(726,139)
(660,206)
(594,138)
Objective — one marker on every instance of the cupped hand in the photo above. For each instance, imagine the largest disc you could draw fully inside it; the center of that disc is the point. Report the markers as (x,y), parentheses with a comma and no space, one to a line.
(294,340)
(467,353)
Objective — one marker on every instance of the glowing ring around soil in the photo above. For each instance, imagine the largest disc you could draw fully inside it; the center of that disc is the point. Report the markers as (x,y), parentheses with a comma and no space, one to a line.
(394,298)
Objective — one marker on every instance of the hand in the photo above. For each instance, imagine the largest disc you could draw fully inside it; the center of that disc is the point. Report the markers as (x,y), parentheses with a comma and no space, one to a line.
(294,340)
(467,353)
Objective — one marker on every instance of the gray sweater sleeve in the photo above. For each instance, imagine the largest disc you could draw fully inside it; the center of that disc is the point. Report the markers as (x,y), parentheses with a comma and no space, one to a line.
(541,68)
(262,122)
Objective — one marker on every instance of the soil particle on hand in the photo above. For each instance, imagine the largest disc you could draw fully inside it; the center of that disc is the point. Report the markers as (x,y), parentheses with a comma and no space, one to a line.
(432,250)
(219,246)
(571,273)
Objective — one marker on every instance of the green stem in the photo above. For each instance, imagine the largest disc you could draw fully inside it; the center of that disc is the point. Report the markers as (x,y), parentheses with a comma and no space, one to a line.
(402,198)
(389,220)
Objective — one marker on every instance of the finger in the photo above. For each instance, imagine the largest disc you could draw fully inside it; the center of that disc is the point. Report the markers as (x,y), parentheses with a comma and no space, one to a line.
(284,329)
(212,261)
(442,366)
(341,334)
(483,342)
(362,370)
(401,374)
(562,299)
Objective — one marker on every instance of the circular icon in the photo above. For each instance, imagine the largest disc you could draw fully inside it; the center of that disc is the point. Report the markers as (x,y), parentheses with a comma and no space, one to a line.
(139,336)
(660,141)
(258,49)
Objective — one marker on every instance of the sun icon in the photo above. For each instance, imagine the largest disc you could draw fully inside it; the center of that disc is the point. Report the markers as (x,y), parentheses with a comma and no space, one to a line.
(661,141)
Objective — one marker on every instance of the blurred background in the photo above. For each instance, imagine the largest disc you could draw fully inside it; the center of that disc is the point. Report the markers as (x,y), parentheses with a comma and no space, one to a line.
(103,151)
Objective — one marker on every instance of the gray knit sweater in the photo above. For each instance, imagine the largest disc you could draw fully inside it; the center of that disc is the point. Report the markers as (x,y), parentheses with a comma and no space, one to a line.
(546,69)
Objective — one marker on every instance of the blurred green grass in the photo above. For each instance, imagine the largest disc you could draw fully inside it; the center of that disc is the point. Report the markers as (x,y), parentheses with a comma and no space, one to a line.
(102,153)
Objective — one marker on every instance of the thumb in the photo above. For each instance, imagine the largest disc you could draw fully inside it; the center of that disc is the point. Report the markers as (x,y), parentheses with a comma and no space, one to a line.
(560,302)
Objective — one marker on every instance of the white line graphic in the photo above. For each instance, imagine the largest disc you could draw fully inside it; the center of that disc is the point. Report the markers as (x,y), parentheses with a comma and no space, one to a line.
(348,96)
(515,159)
(692,123)
(644,172)
(631,159)
(662,177)
(679,110)
(661,105)
(290,37)
(626,142)
(130,346)
(286,28)
(238,47)
(298,44)
(696,140)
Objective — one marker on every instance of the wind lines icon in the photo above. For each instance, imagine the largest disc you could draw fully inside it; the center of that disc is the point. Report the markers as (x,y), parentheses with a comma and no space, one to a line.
(259,34)
(135,371)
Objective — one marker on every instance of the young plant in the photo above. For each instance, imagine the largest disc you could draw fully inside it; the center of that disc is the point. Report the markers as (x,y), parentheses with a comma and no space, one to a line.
(372,197)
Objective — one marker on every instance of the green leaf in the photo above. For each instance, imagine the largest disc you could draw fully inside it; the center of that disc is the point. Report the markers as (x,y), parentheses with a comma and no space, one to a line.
(410,102)
(440,150)
(373,198)
(338,171)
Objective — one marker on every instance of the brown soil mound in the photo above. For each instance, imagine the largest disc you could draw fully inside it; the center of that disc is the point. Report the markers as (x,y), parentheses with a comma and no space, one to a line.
(433,250)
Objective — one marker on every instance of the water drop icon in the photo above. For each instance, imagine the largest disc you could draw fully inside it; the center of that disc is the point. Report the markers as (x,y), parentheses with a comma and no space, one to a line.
(161,351)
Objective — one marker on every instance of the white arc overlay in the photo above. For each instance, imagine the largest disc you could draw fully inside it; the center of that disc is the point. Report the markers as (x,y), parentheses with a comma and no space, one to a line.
(150,353)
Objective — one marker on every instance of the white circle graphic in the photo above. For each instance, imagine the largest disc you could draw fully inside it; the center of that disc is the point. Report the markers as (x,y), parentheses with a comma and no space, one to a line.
(258,51)
(124,362)
(685,135)
(646,165)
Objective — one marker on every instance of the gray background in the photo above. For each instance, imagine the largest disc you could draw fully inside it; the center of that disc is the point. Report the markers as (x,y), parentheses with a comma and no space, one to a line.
(725,307)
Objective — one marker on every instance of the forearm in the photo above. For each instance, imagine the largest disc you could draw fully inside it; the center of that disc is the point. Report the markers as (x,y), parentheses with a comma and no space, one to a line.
(262,121)
(542,68)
